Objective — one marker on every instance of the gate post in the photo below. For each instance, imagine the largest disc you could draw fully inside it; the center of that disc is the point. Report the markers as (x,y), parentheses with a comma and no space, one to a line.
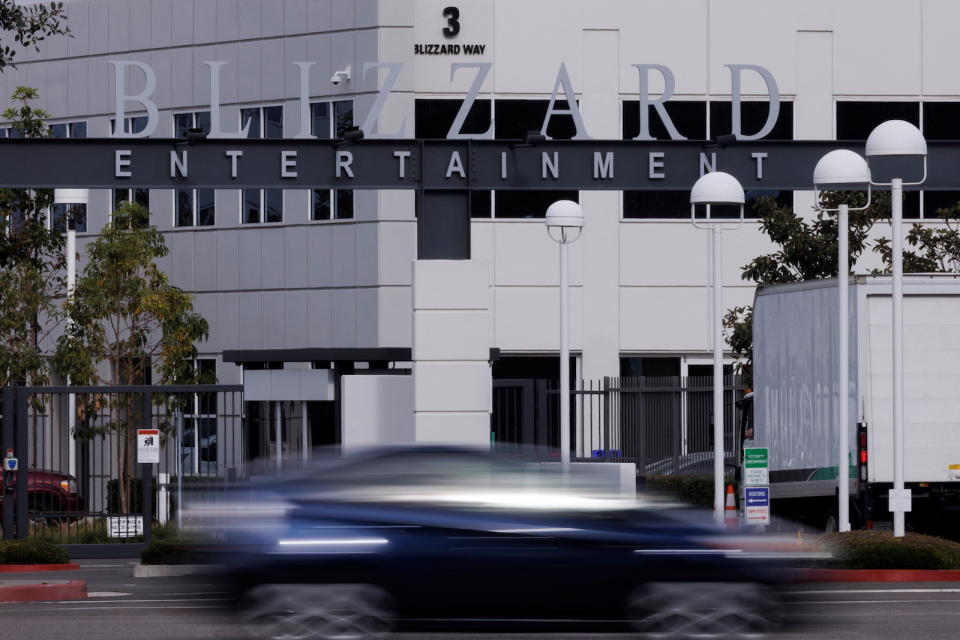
(147,471)
(9,419)
(22,449)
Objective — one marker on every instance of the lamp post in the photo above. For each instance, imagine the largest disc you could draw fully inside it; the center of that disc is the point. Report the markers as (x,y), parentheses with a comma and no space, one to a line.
(564,223)
(844,169)
(71,198)
(897,139)
(717,188)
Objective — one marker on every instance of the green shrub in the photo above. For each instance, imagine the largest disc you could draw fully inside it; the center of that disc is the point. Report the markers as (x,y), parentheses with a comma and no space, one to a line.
(175,549)
(697,490)
(170,545)
(32,552)
(880,550)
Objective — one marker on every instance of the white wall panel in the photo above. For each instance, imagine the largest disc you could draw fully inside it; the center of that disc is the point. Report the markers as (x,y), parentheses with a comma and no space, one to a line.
(395,311)
(525,254)
(664,319)
(528,318)
(878,56)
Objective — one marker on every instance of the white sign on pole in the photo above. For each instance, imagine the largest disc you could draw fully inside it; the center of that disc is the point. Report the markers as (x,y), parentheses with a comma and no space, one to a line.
(756,501)
(124,526)
(756,467)
(900,500)
(148,446)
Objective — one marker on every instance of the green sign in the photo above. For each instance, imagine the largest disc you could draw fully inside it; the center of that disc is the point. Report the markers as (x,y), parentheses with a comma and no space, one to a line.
(756,458)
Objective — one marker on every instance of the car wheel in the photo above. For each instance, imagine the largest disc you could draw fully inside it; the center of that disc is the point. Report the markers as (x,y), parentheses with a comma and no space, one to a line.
(316,612)
(674,610)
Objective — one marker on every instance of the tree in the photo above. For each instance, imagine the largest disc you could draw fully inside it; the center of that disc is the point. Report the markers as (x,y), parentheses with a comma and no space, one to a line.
(29,25)
(936,248)
(807,251)
(125,316)
(32,263)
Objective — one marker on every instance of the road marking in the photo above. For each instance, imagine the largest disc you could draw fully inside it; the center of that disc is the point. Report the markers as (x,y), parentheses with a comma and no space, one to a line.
(874,591)
(137,601)
(115,607)
(872,601)
(107,594)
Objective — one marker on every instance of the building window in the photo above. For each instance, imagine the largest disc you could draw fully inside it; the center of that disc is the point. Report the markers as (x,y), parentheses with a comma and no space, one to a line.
(512,119)
(135,195)
(262,205)
(193,207)
(941,121)
(131,124)
(753,115)
(699,120)
(331,120)
(198,448)
(688,117)
(69,129)
(72,216)
(64,216)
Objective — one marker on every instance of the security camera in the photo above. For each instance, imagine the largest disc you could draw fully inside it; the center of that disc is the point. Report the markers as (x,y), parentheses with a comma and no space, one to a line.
(340,76)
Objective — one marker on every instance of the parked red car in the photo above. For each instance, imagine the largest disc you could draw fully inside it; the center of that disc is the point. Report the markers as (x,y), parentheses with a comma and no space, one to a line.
(52,494)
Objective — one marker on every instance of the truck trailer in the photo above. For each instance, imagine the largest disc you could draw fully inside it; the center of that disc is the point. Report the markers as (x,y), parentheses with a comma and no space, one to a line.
(794,403)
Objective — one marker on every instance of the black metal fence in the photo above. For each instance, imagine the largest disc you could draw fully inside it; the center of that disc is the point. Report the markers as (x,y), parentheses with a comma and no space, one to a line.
(79,478)
(662,424)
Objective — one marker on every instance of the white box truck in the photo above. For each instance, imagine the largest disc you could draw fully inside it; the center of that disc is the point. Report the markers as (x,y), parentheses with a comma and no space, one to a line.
(794,404)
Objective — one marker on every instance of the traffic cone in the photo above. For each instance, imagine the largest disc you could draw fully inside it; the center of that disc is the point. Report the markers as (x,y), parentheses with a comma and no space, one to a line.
(730,510)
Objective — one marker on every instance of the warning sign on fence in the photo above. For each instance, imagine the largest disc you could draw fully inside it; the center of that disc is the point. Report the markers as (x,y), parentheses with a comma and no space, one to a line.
(148,446)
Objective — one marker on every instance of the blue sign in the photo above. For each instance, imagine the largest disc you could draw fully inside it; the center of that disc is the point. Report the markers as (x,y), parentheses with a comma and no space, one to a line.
(607,453)
(757,496)
(10,464)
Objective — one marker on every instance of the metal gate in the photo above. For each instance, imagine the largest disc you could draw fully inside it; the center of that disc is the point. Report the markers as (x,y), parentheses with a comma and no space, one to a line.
(662,424)
(79,481)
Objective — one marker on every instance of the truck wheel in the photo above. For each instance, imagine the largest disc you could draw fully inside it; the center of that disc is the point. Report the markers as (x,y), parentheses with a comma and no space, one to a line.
(674,610)
(316,612)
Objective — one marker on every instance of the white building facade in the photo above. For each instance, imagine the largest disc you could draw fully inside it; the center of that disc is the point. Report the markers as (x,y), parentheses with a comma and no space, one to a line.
(325,278)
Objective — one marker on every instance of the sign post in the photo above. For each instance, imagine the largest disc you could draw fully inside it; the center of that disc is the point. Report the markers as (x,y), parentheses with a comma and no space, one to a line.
(756,481)
(757,505)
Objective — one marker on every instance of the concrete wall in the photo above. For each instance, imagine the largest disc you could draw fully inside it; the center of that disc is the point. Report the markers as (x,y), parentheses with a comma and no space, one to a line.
(377,410)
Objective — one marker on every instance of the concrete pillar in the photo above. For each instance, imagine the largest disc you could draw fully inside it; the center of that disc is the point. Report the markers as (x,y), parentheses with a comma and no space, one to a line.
(452,383)
(601,235)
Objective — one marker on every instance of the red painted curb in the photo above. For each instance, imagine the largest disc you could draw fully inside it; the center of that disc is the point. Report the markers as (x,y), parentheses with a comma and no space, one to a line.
(72,590)
(26,568)
(877,575)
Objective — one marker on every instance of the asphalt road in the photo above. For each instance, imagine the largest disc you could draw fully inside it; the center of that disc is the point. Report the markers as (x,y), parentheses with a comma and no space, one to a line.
(125,608)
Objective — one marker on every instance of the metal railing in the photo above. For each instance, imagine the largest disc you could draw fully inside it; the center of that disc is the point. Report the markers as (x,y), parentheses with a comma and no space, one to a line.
(662,424)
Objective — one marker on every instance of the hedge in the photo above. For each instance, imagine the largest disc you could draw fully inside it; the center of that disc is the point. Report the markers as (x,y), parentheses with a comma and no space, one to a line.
(169,545)
(697,490)
(880,550)
(32,552)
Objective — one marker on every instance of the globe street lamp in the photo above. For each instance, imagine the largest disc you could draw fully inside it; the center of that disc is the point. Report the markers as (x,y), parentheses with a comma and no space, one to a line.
(71,198)
(717,188)
(842,169)
(897,139)
(564,223)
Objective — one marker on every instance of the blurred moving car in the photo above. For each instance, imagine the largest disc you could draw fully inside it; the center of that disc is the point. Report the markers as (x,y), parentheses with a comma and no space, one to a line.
(394,538)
